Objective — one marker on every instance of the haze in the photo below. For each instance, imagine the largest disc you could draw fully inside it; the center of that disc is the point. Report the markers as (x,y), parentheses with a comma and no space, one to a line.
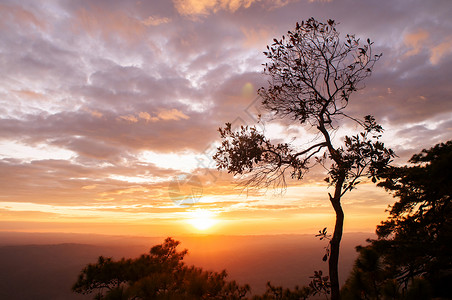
(109,112)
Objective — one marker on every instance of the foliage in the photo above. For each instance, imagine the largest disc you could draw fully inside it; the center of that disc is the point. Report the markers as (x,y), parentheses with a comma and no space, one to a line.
(323,235)
(161,274)
(319,285)
(424,191)
(412,253)
(370,278)
(313,75)
(280,293)
(373,277)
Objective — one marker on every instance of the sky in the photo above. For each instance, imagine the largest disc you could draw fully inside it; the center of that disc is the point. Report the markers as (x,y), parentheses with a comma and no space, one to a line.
(109,111)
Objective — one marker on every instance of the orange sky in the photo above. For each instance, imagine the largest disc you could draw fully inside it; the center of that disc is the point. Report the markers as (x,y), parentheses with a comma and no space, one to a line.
(109,111)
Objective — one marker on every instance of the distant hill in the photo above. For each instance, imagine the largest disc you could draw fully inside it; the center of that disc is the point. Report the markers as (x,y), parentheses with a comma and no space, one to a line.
(47,271)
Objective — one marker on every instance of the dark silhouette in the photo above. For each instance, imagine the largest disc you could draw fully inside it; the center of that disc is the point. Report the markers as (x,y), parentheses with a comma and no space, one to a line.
(278,292)
(158,275)
(411,258)
(319,285)
(49,271)
(313,75)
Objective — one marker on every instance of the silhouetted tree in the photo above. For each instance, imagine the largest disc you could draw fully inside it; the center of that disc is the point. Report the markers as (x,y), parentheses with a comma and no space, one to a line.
(158,275)
(313,75)
(279,293)
(319,285)
(417,237)
(370,278)
(411,257)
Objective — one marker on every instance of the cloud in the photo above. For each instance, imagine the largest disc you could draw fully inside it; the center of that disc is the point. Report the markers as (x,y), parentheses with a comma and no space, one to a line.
(421,40)
(128,118)
(256,37)
(441,50)
(97,21)
(416,41)
(155,21)
(15,15)
(192,7)
(91,87)
(146,116)
(163,115)
(172,114)
(205,7)
(31,95)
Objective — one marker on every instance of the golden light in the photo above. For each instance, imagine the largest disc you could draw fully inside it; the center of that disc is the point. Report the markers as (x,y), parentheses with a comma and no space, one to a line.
(202,219)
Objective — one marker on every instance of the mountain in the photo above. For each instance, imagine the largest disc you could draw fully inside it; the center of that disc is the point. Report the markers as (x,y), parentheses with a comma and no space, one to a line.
(47,268)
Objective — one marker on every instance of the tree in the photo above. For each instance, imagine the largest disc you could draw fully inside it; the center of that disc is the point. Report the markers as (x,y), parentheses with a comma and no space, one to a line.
(280,293)
(370,278)
(420,223)
(161,274)
(414,244)
(417,237)
(319,285)
(312,76)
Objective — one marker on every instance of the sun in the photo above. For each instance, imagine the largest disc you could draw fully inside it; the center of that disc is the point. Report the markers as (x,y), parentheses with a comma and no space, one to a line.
(202,219)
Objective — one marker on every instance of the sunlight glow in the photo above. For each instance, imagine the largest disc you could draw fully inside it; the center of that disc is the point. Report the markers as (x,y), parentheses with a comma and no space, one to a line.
(202,219)
(183,161)
(138,179)
(27,153)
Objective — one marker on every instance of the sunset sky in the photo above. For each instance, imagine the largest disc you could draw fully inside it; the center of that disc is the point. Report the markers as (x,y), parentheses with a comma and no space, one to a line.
(108,105)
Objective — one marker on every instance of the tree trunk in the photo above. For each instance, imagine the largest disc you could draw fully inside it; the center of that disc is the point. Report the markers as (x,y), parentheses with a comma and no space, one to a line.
(334,248)
(335,200)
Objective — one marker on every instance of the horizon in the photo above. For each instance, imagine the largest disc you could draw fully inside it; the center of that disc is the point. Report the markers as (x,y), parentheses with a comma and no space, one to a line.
(263,138)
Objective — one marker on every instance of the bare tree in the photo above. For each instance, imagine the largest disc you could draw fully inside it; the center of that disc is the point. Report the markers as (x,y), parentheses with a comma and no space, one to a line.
(312,75)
